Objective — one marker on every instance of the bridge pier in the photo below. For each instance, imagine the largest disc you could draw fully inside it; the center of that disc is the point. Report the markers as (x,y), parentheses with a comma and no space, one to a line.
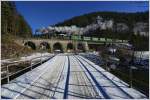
(86,47)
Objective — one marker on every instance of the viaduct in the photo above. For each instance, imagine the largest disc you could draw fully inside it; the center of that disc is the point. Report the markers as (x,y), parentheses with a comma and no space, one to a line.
(59,44)
(52,45)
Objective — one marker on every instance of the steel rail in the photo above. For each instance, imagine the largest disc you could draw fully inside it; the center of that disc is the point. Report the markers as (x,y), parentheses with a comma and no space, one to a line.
(60,75)
(109,79)
(65,96)
(101,89)
(88,79)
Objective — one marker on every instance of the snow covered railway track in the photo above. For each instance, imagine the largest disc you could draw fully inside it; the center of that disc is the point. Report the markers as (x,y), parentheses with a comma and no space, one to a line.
(98,86)
(113,83)
(68,77)
(34,83)
(47,84)
(80,86)
(111,88)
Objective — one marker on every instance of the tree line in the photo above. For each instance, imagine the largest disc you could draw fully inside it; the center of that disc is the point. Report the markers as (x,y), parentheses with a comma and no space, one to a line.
(127,18)
(12,22)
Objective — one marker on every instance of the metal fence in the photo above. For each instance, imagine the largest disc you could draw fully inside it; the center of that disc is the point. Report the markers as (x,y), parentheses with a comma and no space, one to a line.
(15,63)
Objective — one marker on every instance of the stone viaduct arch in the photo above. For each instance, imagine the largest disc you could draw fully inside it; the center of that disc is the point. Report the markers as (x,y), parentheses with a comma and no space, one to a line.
(44,45)
(65,45)
(30,44)
(80,47)
(70,47)
(58,46)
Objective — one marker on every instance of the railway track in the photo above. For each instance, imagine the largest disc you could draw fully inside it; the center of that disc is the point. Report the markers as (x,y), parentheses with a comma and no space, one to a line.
(121,93)
(52,82)
(80,84)
(68,77)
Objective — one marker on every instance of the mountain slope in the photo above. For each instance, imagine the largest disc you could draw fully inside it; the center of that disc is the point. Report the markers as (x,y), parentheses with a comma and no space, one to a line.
(86,19)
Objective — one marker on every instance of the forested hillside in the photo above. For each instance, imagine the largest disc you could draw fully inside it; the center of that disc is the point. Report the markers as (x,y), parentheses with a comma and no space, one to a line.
(127,18)
(12,22)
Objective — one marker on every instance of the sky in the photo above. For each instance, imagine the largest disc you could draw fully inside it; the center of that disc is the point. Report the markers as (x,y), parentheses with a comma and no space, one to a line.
(40,14)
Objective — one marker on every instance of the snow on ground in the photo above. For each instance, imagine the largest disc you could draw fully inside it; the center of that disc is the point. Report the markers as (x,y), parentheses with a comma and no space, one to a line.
(27,58)
(72,77)
(142,54)
(120,84)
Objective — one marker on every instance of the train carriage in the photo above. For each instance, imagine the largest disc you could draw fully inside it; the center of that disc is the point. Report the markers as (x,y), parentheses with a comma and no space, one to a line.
(109,40)
(102,40)
(76,37)
(94,39)
(87,38)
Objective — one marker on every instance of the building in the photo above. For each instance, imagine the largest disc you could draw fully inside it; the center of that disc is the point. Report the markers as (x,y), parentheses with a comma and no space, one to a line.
(141,28)
(122,27)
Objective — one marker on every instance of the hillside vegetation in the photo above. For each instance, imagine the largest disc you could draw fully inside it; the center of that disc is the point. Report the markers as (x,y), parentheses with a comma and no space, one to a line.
(127,18)
(13,26)
(12,21)
(130,19)
(10,49)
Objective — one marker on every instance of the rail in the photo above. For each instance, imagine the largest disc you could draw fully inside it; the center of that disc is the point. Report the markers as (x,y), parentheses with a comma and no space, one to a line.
(32,63)
(138,84)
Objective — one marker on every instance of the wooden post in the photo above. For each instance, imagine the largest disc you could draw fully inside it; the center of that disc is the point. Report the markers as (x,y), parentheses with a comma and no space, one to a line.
(41,58)
(130,76)
(31,64)
(7,75)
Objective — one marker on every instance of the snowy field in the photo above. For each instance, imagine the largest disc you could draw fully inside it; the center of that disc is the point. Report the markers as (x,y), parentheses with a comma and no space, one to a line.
(68,76)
